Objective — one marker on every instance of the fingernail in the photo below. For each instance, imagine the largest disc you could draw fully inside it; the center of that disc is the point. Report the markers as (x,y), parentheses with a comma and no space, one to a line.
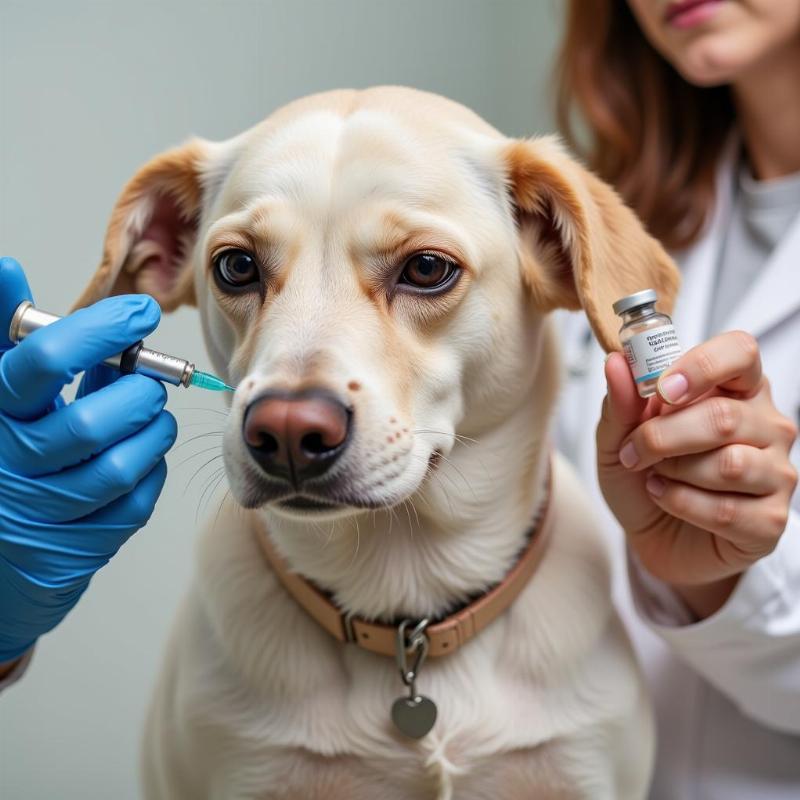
(628,456)
(673,387)
(655,485)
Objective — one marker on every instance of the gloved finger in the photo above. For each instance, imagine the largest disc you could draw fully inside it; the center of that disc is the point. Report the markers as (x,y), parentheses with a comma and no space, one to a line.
(18,633)
(13,290)
(112,525)
(96,378)
(44,608)
(67,555)
(81,490)
(82,429)
(35,371)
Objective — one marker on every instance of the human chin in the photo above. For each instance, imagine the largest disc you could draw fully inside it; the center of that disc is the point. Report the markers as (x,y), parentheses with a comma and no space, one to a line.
(713,60)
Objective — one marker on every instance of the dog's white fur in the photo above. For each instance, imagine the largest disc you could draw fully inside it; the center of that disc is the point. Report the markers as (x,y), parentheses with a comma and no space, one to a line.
(332,193)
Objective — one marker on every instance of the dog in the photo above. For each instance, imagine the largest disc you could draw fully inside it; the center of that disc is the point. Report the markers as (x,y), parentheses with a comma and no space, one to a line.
(374,272)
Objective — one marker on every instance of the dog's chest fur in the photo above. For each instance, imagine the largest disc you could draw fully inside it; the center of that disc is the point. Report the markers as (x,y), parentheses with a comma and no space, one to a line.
(260,702)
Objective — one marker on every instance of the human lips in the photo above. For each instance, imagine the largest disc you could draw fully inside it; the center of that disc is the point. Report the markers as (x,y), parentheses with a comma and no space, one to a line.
(688,13)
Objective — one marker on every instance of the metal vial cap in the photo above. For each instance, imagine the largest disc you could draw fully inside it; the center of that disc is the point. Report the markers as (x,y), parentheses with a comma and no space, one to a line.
(634,301)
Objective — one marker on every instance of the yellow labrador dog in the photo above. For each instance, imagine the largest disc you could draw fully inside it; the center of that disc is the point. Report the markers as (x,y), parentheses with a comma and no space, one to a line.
(409,597)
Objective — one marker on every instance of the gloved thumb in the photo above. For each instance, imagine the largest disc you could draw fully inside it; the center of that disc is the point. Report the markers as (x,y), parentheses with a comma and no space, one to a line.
(622,410)
(13,290)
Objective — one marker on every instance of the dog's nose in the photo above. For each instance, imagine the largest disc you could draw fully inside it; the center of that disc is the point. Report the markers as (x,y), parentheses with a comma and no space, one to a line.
(296,435)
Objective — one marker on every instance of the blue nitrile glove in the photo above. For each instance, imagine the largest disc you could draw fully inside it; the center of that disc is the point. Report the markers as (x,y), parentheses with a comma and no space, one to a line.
(76,480)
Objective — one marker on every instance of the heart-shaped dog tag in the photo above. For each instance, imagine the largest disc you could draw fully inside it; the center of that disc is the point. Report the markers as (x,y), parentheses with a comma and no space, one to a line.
(414,716)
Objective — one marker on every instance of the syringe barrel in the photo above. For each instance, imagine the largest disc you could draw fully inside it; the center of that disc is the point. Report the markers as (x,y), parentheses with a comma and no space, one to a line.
(27,319)
(163,367)
(136,358)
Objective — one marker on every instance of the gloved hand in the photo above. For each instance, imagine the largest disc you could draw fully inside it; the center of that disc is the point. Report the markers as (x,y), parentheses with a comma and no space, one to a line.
(76,480)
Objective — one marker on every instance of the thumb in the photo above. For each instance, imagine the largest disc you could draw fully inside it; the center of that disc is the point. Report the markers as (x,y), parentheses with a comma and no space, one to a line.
(13,290)
(622,410)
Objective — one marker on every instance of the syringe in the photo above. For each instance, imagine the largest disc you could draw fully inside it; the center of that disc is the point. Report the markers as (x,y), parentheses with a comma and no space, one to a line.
(136,358)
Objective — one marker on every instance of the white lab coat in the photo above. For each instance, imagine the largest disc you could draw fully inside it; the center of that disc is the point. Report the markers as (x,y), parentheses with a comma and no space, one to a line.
(727,689)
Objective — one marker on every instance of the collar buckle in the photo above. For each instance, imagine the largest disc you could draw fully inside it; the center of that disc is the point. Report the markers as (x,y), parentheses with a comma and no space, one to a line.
(347,625)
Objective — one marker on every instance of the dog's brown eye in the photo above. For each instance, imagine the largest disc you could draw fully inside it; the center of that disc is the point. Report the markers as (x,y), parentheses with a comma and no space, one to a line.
(427,271)
(235,268)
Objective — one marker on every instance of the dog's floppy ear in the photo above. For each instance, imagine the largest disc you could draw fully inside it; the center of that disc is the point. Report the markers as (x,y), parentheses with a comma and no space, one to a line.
(580,246)
(152,230)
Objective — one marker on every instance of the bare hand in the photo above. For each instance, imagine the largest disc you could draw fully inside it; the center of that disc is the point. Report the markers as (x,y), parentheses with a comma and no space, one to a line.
(699,475)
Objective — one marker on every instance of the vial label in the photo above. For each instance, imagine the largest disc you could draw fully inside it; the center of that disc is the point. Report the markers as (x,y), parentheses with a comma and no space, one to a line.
(650,352)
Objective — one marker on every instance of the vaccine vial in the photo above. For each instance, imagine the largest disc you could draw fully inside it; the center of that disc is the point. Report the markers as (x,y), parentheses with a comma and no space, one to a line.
(648,339)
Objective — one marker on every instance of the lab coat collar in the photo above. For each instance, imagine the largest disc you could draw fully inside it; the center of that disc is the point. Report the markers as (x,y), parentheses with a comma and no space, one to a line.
(699,263)
(774,295)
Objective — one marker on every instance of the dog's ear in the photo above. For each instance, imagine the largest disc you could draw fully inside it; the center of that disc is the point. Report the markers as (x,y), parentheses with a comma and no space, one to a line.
(152,231)
(580,246)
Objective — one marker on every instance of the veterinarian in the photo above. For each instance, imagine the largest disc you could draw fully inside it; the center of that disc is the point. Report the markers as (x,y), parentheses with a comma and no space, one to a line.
(694,114)
(75,480)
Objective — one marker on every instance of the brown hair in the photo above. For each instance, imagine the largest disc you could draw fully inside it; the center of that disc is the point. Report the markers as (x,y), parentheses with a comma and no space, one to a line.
(653,136)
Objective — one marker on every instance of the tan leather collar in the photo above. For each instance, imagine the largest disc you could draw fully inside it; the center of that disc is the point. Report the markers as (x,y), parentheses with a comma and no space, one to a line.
(445,636)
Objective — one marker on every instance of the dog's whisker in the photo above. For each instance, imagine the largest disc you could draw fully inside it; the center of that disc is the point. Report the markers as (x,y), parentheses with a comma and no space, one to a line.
(408,513)
(330,535)
(463,477)
(416,513)
(429,472)
(198,453)
(443,475)
(202,408)
(424,500)
(207,482)
(206,485)
(222,503)
(437,476)
(182,432)
(208,477)
(199,470)
(321,535)
(358,543)
(195,438)
(465,440)
(210,497)
(396,514)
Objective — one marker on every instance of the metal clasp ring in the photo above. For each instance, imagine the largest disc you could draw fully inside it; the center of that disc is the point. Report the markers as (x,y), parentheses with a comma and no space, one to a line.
(414,642)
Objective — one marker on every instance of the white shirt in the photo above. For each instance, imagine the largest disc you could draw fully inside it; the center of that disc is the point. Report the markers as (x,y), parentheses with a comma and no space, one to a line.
(726,689)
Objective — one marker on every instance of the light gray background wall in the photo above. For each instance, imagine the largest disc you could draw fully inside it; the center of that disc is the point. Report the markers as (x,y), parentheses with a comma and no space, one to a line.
(90,90)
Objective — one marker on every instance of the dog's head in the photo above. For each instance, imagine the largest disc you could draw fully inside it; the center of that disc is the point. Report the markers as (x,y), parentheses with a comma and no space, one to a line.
(372,271)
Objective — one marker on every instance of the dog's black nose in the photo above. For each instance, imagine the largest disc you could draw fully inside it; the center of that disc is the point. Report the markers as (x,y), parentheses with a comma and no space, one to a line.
(296,435)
